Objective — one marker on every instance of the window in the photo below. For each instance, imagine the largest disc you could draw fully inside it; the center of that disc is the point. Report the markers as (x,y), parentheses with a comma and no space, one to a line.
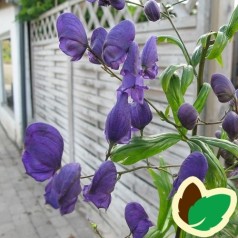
(7,73)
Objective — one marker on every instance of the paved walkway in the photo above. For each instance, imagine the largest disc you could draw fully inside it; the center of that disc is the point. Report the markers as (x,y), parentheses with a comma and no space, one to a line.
(23,213)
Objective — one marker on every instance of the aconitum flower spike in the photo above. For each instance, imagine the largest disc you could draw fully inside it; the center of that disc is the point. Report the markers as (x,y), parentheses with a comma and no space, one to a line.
(152,10)
(230,125)
(137,220)
(72,36)
(103,183)
(117,43)
(118,123)
(188,116)
(96,44)
(149,57)
(63,189)
(43,148)
(194,165)
(141,115)
(222,87)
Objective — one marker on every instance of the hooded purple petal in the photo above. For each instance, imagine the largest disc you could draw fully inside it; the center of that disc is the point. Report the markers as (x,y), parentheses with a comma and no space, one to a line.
(230,125)
(188,116)
(141,115)
(194,165)
(222,87)
(152,10)
(72,36)
(43,151)
(97,41)
(118,123)
(149,58)
(117,43)
(103,183)
(137,220)
(63,190)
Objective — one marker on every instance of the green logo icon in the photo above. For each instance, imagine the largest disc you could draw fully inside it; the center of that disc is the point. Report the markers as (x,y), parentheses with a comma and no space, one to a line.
(202,212)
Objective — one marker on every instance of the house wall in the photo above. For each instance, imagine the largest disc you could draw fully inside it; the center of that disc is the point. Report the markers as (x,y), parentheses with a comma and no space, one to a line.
(11,120)
(76,98)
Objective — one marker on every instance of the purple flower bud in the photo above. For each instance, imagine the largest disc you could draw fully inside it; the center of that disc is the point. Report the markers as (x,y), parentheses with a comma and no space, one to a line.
(103,183)
(117,43)
(188,116)
(63,189)
(43,151)
(97,41)
(222,87)
(117,4)
(141,115)
(152,10)
(149,58)
(218,134)
(118,123)
(137,220)
(72,36)
(230,125)
(194,165)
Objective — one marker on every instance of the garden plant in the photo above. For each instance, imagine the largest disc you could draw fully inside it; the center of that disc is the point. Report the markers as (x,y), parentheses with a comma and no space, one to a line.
(213,160)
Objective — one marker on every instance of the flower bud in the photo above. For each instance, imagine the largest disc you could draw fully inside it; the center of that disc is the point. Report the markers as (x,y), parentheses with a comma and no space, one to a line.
(230,125)
(152,10)
(218,134)
(222,87)
(188,116)
(141,115)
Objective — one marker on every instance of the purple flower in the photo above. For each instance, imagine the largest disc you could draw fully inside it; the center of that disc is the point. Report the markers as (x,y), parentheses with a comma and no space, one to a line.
(222,87)
(152,10)
(194,165)
(43,151)
(63,189)
(103,183)
(117,43)
(97,41)
(137,220)
(218,134)
(149,58)
(230,125)
(118,123)
(188,116)
(141,115)
(117,4)
(72,36)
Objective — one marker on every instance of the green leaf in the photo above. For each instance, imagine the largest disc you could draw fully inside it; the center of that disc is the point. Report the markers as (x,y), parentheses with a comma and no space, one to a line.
(220,143)
(207,212)
(219,60)
(175,41)
(163,185)
(215,176)
(216,49)
(187,78)
(197,55)
(143,147)
(202,97)
(166,113)
(166,76)
(174,96)
(232,26)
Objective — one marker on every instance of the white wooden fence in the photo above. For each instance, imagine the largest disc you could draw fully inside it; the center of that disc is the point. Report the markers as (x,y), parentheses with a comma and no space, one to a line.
(76,97)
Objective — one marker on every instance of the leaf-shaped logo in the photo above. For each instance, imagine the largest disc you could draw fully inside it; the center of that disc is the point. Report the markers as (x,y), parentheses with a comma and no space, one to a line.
(202,212)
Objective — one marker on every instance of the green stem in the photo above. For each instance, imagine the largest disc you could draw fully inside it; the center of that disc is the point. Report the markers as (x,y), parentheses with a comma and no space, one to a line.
(134,3)
(178,231)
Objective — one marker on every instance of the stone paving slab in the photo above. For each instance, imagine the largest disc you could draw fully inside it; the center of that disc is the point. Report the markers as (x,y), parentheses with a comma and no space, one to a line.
(23,213)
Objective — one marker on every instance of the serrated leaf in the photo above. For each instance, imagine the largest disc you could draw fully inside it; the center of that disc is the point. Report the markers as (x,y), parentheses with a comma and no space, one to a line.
(186,78)
(202,97)
(232,26)
(143,147)
(175,41)
(220,143)
(220,43)
(166,76)
(215,176)
(207,212)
